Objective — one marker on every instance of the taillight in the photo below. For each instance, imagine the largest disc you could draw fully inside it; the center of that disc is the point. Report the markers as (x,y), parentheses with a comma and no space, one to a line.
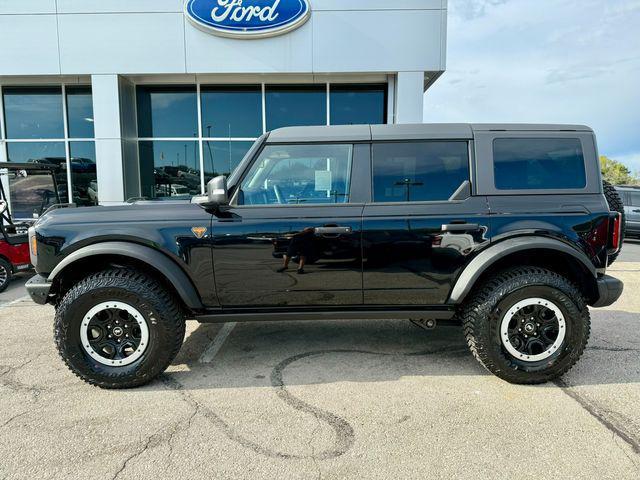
(616,234)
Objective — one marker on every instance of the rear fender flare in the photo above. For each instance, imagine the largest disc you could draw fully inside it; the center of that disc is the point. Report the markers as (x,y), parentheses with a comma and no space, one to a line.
(155,259)
(480,264)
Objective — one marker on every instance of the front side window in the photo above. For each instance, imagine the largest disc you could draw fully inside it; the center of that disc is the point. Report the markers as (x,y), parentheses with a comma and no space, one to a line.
(538,164)
(425,171)
(298,175)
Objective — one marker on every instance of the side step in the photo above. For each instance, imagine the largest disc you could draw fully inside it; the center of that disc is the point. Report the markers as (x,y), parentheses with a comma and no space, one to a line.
(227,316)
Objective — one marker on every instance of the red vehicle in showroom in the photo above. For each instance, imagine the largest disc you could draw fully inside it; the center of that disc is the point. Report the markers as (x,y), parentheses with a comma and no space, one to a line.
(32,189)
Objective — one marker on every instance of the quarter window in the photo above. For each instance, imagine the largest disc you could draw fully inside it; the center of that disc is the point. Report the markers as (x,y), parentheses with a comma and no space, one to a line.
(419,171)
(538,164)
(298,174)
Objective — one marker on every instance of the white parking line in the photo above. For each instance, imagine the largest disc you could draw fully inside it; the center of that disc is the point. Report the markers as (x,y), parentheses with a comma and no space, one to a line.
(210,353)
(13,302)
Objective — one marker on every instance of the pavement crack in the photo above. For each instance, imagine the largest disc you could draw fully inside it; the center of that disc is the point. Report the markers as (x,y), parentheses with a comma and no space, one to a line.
(15,417)
(600,415)
(613,349)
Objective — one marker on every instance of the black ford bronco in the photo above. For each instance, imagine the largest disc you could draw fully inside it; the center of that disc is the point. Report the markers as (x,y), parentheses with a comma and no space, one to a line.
(504,230)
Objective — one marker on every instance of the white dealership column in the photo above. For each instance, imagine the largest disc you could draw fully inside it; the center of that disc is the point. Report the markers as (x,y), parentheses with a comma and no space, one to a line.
(107,124)
(409,97)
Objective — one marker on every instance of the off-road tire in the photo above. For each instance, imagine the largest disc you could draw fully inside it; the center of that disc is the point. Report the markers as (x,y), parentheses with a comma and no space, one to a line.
(163,315)
(8,274)
(615,205)
(482,315)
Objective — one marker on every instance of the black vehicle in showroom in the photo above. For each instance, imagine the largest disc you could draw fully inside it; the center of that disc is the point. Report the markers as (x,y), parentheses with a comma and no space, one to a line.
(504,230)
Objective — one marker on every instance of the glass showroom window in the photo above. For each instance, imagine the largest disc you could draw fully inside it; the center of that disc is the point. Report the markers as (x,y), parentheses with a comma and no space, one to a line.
(169,168)
(36,133)
(358,104)
(295,105)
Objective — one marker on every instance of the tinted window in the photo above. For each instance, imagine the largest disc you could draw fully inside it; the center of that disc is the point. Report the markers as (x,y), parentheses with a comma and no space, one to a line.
(538,163)
(80,112)
(83,173)
(299,174)
(222,158)
(169,169)
(167,112)
(33,112)
(634,198)
(293,105)
(31,193)
(419,171)
(232,111)
(358,104)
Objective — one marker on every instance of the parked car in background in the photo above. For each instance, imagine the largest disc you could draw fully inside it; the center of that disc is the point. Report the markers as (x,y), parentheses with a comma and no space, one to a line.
(631,198)
(92,191)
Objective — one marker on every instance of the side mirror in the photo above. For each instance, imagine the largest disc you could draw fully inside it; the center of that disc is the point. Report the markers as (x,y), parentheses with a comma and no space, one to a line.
(217,193)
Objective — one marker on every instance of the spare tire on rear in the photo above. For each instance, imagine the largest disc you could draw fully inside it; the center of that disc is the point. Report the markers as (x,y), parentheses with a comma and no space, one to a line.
(615,205)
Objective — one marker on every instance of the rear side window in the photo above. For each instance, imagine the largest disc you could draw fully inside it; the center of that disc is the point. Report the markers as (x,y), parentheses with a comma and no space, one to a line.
(538,164)
(634,198)
(419,171)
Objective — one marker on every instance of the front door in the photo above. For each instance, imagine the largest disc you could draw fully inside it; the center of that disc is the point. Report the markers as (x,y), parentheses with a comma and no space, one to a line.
(423,222)
(292,236)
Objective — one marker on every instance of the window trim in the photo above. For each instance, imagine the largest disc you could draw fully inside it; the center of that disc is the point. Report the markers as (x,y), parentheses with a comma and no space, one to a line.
(470,171)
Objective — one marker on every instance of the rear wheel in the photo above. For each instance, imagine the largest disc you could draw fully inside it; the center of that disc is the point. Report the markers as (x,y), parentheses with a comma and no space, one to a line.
(615,205)
(527,325)
(6,272)
(118,329)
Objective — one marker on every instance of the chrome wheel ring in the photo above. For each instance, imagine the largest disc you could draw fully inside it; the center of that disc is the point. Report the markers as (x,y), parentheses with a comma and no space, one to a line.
(114,334)
(533,330)
(4,275)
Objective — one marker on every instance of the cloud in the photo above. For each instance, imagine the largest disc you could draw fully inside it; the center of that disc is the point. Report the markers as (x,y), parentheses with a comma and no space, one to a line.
(566,61)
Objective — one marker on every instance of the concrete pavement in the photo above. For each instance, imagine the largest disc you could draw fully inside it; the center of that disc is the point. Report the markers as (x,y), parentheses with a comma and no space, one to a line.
(379,399)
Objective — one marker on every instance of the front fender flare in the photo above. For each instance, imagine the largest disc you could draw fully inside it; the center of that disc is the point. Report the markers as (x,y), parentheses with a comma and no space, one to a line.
(155,259)
(492,254)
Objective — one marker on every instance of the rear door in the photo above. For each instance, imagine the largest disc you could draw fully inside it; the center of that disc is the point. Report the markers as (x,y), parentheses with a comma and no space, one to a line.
(422,223)
(632,209)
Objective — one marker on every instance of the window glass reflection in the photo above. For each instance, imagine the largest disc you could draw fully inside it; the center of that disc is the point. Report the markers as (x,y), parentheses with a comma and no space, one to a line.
(33,112)
(232,111)
(80,112)
(169,170)
(296,105)
(83,173)
(299,174)
(419,171)
(358,104)
(165,112)
(48,153)
(222,158)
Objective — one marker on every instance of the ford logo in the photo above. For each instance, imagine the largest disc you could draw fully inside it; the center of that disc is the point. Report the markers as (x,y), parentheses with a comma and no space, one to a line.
(248,18)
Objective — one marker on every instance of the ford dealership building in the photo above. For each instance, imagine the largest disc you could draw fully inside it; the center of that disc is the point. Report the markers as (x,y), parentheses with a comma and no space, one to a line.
(151,98)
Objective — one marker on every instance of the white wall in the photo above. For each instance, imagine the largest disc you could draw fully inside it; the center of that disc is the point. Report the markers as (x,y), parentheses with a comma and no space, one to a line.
(153,36)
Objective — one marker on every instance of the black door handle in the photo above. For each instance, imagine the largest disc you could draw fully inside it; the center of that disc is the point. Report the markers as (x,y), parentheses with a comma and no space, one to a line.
(334,230)
(636,211)
(460,227)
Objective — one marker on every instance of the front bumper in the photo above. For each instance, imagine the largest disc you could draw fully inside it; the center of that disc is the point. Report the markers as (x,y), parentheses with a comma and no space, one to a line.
(38,288)
(609,291)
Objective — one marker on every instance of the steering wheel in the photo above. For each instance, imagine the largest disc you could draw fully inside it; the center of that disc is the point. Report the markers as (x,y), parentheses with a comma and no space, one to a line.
(278,192)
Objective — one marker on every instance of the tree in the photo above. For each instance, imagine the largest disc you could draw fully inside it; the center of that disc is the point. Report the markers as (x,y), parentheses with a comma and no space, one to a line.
(617,173)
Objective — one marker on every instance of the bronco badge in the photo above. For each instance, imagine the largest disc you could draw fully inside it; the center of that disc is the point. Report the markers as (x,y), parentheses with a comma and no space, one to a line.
(199,232)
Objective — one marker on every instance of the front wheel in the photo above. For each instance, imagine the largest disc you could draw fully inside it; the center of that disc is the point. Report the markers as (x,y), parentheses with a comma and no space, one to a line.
(527,325)
(118,329)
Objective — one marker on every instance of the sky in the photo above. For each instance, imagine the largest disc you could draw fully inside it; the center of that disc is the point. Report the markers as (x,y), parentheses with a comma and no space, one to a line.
(545,61)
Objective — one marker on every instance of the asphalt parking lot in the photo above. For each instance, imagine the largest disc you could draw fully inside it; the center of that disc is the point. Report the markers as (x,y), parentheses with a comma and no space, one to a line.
(379,399)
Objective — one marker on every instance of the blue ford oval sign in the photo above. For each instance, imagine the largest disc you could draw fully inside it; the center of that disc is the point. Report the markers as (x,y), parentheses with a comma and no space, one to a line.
(248,18)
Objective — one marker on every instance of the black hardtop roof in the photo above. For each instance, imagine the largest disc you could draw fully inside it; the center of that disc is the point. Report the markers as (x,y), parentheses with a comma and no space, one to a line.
(363,133)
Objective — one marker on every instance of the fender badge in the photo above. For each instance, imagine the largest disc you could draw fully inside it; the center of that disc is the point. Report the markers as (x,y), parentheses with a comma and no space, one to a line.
(199,232)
